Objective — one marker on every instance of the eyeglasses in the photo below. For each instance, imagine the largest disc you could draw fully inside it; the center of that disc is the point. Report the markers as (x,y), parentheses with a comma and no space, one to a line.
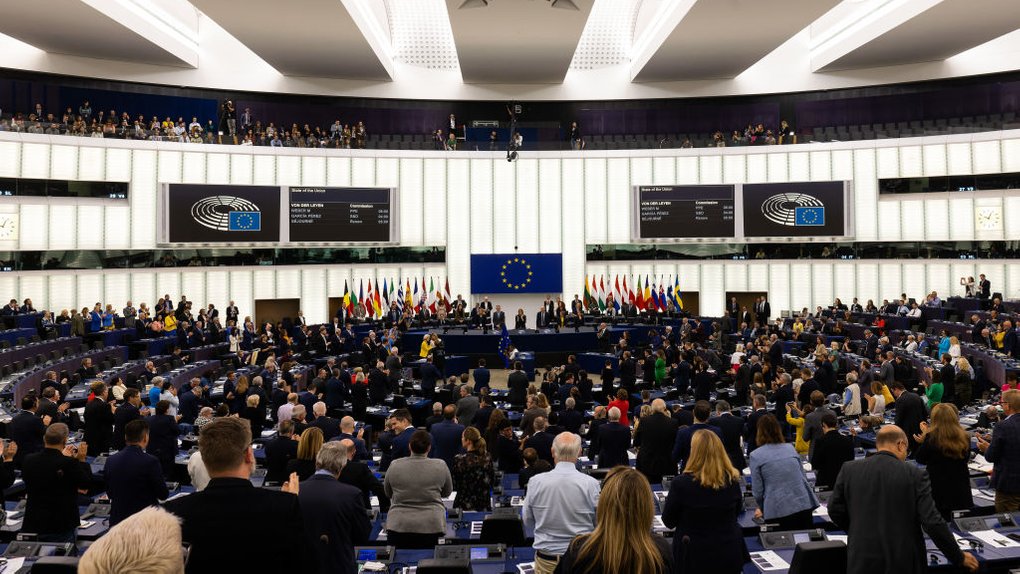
(185,552)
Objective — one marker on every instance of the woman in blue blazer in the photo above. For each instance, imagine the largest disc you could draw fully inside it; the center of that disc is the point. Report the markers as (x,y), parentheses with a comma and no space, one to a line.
(780,488)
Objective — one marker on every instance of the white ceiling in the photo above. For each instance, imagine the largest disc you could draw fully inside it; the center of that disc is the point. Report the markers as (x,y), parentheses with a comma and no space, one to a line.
(513,49)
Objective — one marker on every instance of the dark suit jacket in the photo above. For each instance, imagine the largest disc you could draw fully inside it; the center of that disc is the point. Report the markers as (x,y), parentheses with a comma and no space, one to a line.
(52,481)
(481,376)
(751,429)
(883,504)
(542,443)
(732,428)
(1004,453)
(571,420)
(212,518)
(98,426)
(614,440)
(517,382)
(335,522)
(829,452)
(48,407)
(27,430)
(910,412)
(446,441)
(359,475)
(682,448)
(279,452)
(163,431)
(429,375)
(656,435)
(125,414)
(360,451)
(134,481)
(329,426)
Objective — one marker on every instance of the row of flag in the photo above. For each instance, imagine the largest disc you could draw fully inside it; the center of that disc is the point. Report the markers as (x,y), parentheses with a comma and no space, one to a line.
(652,297)
(405,294)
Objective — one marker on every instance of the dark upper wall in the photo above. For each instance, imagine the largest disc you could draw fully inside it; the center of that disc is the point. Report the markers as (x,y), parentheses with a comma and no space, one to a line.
(973,96)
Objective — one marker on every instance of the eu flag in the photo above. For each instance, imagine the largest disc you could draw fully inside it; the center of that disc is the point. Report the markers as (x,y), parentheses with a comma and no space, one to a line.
(517,273)
(809,216)
(504,347)
(245,221)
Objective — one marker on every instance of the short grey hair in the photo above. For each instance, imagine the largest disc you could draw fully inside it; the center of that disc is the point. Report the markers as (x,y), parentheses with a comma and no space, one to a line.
(319,409)
(570,402)
(158,381)
(298,411)
(332,457)
(659,406)
(614,414)
(566,447)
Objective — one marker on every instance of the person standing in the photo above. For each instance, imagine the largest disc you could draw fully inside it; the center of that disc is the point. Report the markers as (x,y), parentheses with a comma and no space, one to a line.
(560,504)
(52,478)
(703,505)
(831,451)
(780,488)
(416,486)
(655,438)
(473,474)
(1002,449)
(910,412)
(334,517)
(99,419)
(883,504)
(944,449)
(134,479)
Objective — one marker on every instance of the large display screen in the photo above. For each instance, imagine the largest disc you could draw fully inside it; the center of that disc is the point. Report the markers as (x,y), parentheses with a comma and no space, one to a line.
(222,213)
(18,187)
(685,211)
(794,209)
(346,214)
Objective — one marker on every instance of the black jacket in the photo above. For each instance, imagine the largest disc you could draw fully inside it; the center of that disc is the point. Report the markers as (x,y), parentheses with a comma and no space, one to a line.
(614,440)
(52,481)
(517,382)
(655,437)
(828,454)
(213,518)
(708,537)
(329,426)
(125,414)
(732,428)
(360,476)
(279,452)
(98,426)
(163,431)
(569,563)
(910,412)
(27,430)
(134,481)
(950,478)
(335,522)
(883,504)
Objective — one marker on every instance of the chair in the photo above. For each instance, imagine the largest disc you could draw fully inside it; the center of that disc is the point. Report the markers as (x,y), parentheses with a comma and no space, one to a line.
(56,565)
(21,341)
(443,566)
(503,529)
(826,556)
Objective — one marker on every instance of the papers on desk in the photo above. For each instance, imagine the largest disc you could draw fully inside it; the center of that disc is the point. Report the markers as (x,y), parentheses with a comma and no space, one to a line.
(373,501)
(268,433)
(583,459)
(371,566)
(176,496)
(994,539)
(476,528)
(657,524)
(963,544)
(980,464)
(83,524)
(767,561)
(451,497)
(822,511)
(978,493)
(14,564)
(14,522)
(837,538)
(526,568)
(516,501)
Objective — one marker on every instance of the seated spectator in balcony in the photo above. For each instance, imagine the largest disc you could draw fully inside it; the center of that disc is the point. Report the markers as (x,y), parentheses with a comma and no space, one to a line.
(576,143)
(786,133)
(718,140)
(451,142)
(437,140)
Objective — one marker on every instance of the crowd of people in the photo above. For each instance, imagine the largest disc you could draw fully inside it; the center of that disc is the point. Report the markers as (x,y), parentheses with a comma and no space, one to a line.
(322,456)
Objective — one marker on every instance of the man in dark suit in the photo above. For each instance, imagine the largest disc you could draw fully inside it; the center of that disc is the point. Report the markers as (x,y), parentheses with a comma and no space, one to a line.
(481,376)
(732,428)
(446,436)
(656,436)
(775,351)
(329,426)
(163,433)
(517,383)
(910,412)
(357,473)
(1002,449)
(614,440)
(131,410)
(430,374)
(52,478)
(830,451)
(541,441)
(1009,340)
(763,312)
(230,503)
(751,424)
(280,451)
(99,422)
(191,401)
(542,318)
(984,287)
(48,406)
(134,479)
(682,448)
(978,325)
(27,430)
(498,318)
(347,431)
(334,517)
(883,503)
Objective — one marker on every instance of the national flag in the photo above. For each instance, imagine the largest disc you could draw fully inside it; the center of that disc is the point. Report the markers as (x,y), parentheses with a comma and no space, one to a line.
(504,347)
(677,300)
(639,297)
(347,299)
(420,301)
(376,304)
(361,295)
(655,299)
(432,290)
(602,290)
(368,301)
(662,298)
(617,294)
(408,300)
(398,296)
(648,292)
(627,292)
(587,294)
(385,294)
(447,297)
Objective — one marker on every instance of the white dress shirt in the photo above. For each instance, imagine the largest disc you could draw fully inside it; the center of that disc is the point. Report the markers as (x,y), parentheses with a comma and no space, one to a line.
(560,505)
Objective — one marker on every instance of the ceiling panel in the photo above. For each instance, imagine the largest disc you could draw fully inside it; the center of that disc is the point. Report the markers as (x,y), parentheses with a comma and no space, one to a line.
(722,38)
(941,31)
(516,41)
(301,37)
(76,28)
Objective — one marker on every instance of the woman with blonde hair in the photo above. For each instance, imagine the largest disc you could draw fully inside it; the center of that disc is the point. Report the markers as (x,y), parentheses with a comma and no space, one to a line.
(944,448)
(963,384)
(307,450)
(473,474)
(622,542)
(703,505)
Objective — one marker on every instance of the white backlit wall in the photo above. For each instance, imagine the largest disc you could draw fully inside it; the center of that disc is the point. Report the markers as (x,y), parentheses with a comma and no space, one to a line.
(476,202)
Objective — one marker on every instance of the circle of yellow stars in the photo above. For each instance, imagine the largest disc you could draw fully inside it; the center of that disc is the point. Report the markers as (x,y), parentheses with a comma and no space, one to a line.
(245,220)
(511,284)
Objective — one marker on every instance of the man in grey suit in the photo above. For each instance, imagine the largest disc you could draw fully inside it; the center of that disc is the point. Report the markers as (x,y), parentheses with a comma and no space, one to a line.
(883,503)
(333,513)
(467,405)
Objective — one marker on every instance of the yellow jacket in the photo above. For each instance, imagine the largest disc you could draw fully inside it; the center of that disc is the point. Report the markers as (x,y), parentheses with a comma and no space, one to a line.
(800,444)
(426,348)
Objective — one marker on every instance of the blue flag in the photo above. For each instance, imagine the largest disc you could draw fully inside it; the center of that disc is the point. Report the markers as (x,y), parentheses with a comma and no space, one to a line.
(504,347)
(517,273)
(809,216)
(244,221)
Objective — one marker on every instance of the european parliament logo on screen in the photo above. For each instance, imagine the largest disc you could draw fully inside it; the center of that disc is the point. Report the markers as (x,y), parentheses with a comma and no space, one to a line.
(808,216)
(227,213)
(794,210)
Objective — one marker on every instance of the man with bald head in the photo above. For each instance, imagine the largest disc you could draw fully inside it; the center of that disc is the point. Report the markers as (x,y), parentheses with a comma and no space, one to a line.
(347,425)
(446,436)
(357,474)
(656,436)
(883,503)
(614,440)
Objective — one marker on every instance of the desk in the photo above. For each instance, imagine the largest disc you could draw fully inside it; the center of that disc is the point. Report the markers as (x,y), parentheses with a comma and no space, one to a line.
(20,353)
(113,337)
(593,363)
(12,335)
(475,342)
(32,380)
(182,375)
